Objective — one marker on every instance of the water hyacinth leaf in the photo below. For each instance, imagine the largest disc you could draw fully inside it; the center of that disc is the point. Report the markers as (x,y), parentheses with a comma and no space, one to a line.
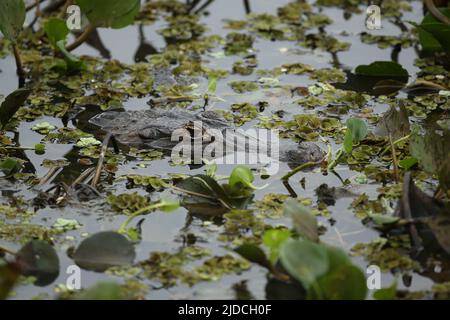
(168,205)
(305,223)
(39,259)
(73,62)
(204,185)
(254,254)
(356,131)
(242,176)
(104,250)
(12,18)
(433,34)
(304,260)
(110,13)
(11,104)
(273,239)
(346,282)
(56,30)
(384,69)
(407,163)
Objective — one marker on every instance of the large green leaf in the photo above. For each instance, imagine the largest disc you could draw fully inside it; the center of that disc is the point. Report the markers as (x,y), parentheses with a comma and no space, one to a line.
(110,13)
(12,17)
(346,282)
(39,259)
(103,250)
(305,223)
(385,69)
(434,35)
(56,30)
(306,261)
(356,131)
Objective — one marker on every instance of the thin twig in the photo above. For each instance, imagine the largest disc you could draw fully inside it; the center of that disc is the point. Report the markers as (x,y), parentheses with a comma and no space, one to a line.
(394,160)
(19,65)
(298,169)
(101,159)
(7,251)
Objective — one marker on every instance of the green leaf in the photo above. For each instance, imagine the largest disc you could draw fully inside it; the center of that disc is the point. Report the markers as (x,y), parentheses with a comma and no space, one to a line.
(56,30)
(305,223)
(388,293)
(110,13)
(11,104)
(39,259)
(382,219)
(356,131)
(9,166)
(273,239)
(407,163)
(168,205)
(345,282)
(73,62)
(212,85)
(103,250)
(433,34)
(304,260)
(385,69)
(12,18)
(242,176)
(254,254)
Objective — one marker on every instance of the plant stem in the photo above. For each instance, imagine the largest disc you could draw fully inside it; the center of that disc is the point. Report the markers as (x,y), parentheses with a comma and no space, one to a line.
(124,225)
(394,160)
(19,65)
(436,13)
(334,163)
(82,38)
(298,169)
(395,143)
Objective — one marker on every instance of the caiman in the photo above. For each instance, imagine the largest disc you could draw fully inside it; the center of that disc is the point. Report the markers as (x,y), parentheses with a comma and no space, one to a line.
(153,129)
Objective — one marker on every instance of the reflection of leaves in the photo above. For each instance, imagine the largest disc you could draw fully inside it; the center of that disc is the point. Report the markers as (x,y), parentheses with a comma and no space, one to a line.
(305,223)
(415,204)
(11,104)
(103,250)
(8,277)
(394,122)
(39,259)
